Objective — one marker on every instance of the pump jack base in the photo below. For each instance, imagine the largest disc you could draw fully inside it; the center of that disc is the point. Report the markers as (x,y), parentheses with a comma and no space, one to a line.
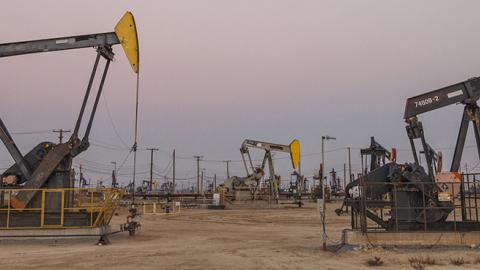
(55,235)
(411,239)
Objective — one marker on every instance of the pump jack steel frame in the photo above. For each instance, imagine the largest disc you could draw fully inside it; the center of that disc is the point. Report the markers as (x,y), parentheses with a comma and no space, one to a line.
(293,149)
(48,165)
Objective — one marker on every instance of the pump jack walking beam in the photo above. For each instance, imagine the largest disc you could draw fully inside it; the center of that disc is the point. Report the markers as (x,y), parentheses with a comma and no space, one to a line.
(467,93)
(58,44)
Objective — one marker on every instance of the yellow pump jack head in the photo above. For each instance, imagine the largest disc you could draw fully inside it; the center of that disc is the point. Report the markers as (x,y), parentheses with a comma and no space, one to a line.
(126,32)
(295,153)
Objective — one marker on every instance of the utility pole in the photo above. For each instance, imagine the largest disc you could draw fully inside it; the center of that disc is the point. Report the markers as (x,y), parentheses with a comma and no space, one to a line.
(151,166)
(80,177)
(228,169)
(201,183)
(349,166)
(198,158)
(173,172)
(344,176)
(165,180)
(114,174)
(323,214)
(61,131)
(214,183)
(300,167)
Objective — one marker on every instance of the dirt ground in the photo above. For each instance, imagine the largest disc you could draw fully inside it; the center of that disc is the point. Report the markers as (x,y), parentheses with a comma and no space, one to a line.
(287,238)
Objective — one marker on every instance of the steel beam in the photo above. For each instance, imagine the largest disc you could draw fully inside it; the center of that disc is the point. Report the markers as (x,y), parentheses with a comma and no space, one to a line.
(85,98)
(58,44)
(40,175)
(14,151)
(462,135)
(435,99)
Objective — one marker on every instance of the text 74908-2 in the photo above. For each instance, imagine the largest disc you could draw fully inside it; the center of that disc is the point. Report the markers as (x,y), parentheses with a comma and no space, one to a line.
(426,101)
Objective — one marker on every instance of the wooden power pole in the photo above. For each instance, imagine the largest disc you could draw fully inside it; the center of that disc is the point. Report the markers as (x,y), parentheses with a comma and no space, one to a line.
(151,167)
(173,172)
(61,132)
(349,165)
(198,158)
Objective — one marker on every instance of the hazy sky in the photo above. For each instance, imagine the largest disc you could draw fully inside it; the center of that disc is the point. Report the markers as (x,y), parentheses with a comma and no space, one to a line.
(214,73)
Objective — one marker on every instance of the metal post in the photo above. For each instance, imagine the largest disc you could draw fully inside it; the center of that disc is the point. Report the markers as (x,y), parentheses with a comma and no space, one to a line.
(349,166)
(198,158)
(228,169)
(324,236)
(361,158)
(201,182)
(151,167)
(114,175)
(173,188)
(81,177)
(114,166)
(454,213)
(462,198)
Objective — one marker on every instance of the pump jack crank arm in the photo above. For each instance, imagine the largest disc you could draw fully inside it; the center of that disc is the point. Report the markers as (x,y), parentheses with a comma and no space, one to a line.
(40,175)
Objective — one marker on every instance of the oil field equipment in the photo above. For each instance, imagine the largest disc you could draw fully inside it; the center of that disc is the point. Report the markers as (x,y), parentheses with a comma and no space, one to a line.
(250,185)
(397,197)
(37,191)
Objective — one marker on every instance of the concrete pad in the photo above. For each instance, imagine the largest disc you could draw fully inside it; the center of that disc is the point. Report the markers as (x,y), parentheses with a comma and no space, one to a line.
(351,237)
(54,233)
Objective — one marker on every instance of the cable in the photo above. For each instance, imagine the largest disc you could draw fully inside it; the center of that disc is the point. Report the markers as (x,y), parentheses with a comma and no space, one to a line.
(111,145)
(107,147)
(134,148)
(112,122)
(30,132)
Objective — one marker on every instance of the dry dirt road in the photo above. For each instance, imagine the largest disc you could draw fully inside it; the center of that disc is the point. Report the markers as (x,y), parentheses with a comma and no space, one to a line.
(288,238)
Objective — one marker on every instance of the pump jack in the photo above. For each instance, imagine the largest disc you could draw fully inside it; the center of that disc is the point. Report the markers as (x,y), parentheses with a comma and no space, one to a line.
(274,181)
(48,164)
(466,93)
(419,199)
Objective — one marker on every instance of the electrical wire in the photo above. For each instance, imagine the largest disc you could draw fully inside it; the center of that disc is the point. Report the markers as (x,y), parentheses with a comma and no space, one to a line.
(112,122)
(30,132)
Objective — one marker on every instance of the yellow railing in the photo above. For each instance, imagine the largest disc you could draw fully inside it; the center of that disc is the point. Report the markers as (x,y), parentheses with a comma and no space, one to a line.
(159,208)
(59,208)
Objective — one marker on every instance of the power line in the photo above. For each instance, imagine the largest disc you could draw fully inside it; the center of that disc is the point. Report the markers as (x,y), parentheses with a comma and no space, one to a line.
(112,122)
(61,132)
(30,132)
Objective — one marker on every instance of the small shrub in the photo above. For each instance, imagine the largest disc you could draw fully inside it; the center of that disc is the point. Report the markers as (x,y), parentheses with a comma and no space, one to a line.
(457,261)
(419,263)
(427,260)
(376,261)
(417,266)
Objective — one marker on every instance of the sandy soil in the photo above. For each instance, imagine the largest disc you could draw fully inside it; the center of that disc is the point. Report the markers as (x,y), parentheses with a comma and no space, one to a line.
(288,238)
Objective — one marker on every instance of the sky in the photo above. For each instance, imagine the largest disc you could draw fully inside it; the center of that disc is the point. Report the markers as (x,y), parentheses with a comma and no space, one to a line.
(214,73)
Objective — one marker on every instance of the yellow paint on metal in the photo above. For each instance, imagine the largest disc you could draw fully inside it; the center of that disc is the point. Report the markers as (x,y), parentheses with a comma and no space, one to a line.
(126,32)
(295,153)
(102,202)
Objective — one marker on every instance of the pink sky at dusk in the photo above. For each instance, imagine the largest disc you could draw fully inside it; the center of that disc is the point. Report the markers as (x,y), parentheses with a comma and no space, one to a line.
(214,73)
